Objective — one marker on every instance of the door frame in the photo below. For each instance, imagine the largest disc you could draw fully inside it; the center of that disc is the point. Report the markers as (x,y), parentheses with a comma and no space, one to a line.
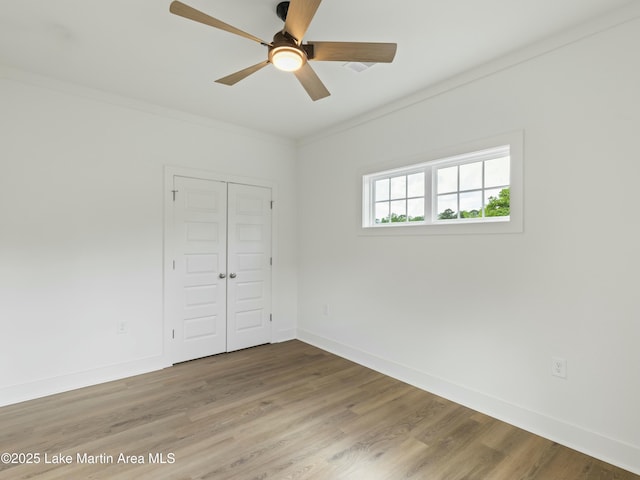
(167,268)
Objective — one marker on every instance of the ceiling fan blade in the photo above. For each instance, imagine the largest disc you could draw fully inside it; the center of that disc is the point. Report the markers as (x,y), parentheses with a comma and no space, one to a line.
(311,82)
(354,51)
(299,17)
(179,8)
(242,74)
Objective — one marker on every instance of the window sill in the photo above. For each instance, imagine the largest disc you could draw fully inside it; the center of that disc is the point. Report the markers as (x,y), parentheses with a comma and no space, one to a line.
(464,227)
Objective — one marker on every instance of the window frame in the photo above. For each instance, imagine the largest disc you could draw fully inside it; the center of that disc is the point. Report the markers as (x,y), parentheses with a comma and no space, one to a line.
(399,173)
(494,153)
(482,150)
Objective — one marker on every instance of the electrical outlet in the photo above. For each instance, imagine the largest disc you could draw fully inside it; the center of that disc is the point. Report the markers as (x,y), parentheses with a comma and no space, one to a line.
(123,327)
(559,367)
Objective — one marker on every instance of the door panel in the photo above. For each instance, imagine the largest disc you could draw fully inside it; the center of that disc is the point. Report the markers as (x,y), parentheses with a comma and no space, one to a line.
(249,266)
(199,241)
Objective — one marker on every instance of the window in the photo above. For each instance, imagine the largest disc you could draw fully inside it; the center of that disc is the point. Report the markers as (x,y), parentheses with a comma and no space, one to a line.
(476,189)
(399,198)
(464,189)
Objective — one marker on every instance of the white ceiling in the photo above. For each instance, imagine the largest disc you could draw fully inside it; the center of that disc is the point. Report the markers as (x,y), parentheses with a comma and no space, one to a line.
(137,49)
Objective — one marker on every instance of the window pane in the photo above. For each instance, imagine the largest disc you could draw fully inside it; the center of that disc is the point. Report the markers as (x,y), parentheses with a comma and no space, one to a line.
(382,190)
(471,176)
(399,211)
(497,202)
(415,209)
(416,185)
(399,187)
(496,172)
(382,212)
(448,180)
(447,207)
(471,204)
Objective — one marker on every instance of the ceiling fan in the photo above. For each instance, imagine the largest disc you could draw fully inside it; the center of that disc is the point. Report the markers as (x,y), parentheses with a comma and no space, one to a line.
(287,52)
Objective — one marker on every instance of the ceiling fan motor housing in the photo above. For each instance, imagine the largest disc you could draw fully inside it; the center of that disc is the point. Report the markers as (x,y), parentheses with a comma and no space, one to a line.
(282,39)
(285,46)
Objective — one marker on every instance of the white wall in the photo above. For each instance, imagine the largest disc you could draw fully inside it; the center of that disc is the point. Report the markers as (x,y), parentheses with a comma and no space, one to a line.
(81,233)
(477,318)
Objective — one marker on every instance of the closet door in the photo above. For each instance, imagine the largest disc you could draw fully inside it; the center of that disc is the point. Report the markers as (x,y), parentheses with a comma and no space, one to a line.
(198,291)
(248,266)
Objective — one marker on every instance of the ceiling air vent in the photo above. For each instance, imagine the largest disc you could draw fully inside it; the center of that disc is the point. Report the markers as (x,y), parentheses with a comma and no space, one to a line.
(358,66)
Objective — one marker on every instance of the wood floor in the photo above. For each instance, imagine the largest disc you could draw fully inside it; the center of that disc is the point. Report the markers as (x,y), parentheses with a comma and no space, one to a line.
(282,411)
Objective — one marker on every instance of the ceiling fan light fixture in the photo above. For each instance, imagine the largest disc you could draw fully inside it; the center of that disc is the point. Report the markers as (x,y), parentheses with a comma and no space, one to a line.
(287,59)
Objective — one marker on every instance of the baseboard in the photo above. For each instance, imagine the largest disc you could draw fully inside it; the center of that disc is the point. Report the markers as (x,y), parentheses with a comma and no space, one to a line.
(612,451)
(64,383)
(284,335)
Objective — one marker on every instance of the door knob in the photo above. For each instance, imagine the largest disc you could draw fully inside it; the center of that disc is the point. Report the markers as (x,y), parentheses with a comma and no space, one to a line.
(232,275)
(222,275)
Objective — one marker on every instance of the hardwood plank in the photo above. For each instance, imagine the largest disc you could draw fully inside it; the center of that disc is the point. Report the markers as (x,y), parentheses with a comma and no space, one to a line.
(282,411)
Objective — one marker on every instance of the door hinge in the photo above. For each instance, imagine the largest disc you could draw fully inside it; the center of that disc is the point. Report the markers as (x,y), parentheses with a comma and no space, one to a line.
(174,264)
(271,204)
(173,333)
(271,317)
(174,194)
(271,261)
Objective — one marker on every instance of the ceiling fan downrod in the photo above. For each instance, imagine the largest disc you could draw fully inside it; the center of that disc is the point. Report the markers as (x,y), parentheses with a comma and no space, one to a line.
(281,10)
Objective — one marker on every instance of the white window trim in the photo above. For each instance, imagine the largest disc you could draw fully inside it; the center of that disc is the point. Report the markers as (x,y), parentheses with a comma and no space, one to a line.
(471,151)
